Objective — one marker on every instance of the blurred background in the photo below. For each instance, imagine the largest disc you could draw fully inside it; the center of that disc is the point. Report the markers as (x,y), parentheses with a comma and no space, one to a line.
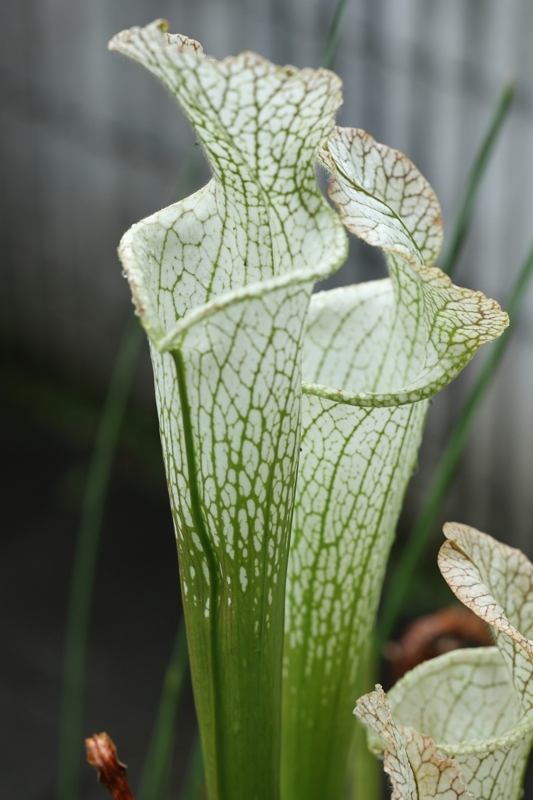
(91,143)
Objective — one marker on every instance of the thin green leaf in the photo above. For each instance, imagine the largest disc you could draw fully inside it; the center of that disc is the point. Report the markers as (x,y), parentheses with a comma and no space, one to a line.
(71,738)
(158,760)
(89,533)
(194,784)
(332,42)
(405,569)
(479,168)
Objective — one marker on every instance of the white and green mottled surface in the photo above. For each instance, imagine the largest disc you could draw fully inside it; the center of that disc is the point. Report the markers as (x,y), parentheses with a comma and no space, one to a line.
(372,355)
(222,282)
(472,706)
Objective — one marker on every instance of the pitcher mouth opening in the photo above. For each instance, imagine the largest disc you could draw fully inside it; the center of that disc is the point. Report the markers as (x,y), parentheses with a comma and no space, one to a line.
(411,710)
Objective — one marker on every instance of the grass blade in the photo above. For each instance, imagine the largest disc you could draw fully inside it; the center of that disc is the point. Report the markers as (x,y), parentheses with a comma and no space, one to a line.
(332,42)
(476,175)
(194,785)
(70,748)
(158,761)
(405,569)
(71,739)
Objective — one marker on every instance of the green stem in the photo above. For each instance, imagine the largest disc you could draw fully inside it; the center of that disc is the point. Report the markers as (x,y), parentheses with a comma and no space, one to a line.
(332,42)
(158,760)
(85,559)
(194,786)
(477,172)
(406,567)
